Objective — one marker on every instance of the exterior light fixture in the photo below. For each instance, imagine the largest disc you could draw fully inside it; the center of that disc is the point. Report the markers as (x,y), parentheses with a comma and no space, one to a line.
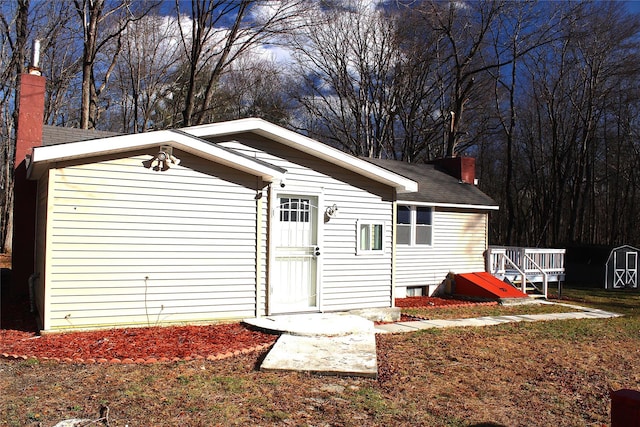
(331,211)
(163,160)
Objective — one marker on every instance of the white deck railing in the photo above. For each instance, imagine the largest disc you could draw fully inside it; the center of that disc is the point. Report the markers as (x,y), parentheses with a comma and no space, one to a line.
(533,266)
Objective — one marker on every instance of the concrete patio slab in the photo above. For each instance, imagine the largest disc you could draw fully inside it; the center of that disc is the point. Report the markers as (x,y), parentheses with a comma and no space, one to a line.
(352,355)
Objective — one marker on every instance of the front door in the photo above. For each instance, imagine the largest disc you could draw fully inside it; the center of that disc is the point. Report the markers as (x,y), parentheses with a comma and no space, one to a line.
(294,273)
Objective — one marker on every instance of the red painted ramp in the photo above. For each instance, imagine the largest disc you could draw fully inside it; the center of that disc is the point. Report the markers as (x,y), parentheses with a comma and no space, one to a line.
(484,285)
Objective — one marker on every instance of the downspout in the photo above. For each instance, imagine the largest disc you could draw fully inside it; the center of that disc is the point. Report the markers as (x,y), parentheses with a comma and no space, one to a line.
(259,267)
(32,292)
(394,219)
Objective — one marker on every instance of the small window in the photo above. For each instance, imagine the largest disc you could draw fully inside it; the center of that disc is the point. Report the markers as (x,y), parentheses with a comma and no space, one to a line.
(414,225)
(370,237)
(417,291)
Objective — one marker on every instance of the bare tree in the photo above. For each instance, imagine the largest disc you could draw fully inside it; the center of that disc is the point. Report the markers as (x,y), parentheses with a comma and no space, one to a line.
(215,33)
(467,33)
(253,87)
(571,140)
(102,23)
(346,60)
(465,30)
(61,59)
(149,63)
(13,51)
(516,34)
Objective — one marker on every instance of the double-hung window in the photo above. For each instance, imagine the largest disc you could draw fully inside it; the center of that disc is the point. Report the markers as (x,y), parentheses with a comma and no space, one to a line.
(414,225)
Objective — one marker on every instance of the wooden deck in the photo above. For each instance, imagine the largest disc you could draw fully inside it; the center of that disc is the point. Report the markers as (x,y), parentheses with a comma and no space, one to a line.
(529,269)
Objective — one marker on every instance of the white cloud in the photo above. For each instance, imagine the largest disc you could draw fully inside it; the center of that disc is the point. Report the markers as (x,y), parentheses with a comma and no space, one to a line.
(278,54)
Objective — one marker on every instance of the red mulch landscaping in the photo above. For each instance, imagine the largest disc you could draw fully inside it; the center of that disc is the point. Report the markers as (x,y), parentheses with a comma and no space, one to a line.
(149,344)
(153,343)
(425,302)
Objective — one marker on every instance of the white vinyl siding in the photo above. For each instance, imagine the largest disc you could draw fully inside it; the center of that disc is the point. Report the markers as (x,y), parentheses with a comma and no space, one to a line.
(459,242)
(133,246)
(348,280)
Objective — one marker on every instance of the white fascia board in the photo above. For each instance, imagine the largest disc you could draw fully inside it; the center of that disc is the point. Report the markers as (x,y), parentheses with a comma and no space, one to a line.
(307,145)
(42,157)
(450,205)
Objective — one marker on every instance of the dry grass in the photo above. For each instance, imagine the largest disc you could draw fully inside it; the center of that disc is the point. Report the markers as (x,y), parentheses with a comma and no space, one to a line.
(549,373)
(480,311)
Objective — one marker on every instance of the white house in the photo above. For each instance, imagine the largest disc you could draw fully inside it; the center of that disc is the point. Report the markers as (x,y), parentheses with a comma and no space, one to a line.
(215,222)
(226,221)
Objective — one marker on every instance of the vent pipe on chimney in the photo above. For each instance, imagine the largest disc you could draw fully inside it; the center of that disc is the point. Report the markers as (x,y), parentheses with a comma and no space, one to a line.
(34,67)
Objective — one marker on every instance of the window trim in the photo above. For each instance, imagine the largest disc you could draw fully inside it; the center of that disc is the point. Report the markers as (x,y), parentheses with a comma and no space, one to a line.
(413,226)
(369,251)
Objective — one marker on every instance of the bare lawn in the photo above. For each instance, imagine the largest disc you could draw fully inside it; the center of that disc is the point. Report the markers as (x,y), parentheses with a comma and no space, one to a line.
(481,311)
(535,374)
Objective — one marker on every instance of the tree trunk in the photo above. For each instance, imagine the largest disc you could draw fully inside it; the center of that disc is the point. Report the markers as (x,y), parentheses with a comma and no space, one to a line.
(90,11)
(16,67)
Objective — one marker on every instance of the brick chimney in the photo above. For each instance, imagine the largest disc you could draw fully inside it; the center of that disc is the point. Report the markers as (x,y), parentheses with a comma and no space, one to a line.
(462,168)
(28,135)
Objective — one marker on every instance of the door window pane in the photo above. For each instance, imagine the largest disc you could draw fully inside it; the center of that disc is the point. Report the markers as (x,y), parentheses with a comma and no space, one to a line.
(294,210)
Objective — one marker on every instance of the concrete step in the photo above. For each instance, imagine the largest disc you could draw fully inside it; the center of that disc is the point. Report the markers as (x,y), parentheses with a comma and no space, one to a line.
(350,355)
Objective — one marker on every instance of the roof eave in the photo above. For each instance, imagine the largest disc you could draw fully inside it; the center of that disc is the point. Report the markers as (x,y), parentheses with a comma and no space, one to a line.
(43,157)
(309,146)
(450,205)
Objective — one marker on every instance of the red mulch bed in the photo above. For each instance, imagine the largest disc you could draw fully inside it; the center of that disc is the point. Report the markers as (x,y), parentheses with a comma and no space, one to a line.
(136,344)
(426,302)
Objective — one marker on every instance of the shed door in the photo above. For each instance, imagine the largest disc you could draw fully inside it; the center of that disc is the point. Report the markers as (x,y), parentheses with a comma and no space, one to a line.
(294,278)
(625,269)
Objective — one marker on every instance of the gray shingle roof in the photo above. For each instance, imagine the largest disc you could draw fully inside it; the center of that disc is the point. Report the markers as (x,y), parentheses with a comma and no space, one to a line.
(54,135)
(435,186)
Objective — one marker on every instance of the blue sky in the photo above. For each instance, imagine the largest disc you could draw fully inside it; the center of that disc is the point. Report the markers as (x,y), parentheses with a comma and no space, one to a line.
(633,6)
